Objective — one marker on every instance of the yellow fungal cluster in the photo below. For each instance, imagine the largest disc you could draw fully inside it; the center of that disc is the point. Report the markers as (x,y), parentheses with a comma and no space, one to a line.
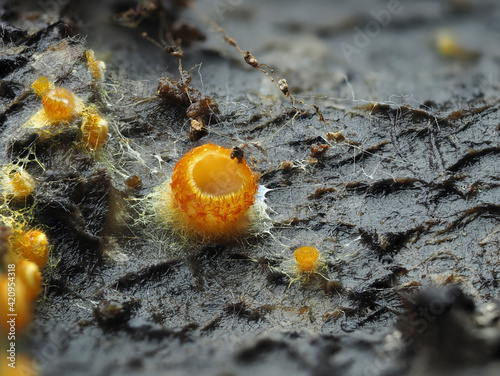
(209,196)
(61,109)
(28,254)
(24,248)
(24,251)
(20,285)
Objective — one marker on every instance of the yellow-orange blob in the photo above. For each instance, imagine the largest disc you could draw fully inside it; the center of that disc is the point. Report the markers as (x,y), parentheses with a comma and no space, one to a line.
(59,104)
(448,46)
(94,130)
(307,259)
(31,245)
(41,85)
(210,193)
(21,305)
(29,274)
(90,56)
(16,183)
(95,67)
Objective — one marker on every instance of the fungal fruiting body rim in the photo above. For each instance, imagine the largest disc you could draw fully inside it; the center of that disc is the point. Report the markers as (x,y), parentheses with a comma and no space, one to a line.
(210,195)
(307,258)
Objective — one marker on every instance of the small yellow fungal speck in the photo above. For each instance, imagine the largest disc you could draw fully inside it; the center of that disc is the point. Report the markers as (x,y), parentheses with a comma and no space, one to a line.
(448,46)
(96,68)
(41,85)
(89,55)
(16,183)
(307,259)
(31,245)
(94,130)
(59,104)
(209,195)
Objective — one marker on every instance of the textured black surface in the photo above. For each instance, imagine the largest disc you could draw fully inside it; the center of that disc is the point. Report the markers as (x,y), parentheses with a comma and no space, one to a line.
(405,208)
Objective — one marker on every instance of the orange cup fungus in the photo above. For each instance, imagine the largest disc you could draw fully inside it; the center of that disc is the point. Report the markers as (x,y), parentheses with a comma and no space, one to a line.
(31,245)
(210,194)
(308,259)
